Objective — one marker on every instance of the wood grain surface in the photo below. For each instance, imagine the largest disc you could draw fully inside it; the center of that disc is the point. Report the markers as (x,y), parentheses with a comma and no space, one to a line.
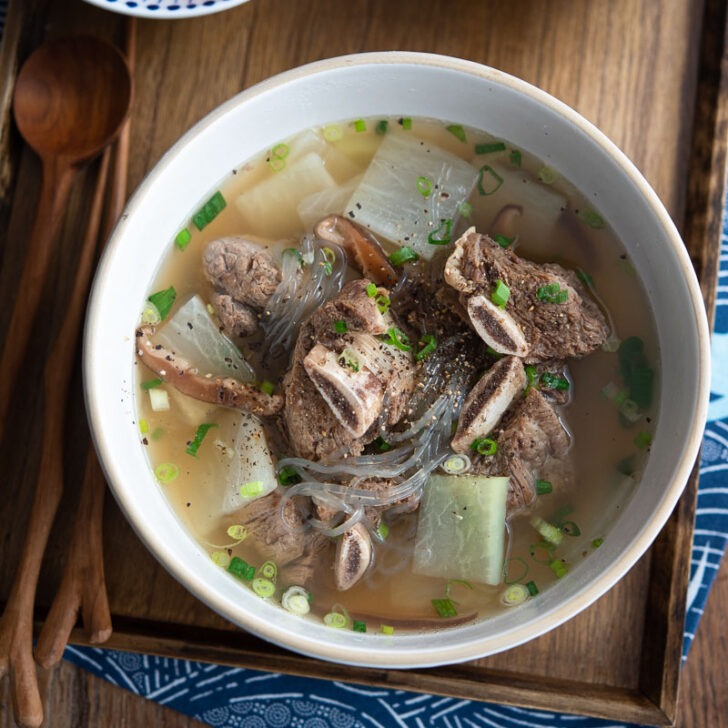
(634,68)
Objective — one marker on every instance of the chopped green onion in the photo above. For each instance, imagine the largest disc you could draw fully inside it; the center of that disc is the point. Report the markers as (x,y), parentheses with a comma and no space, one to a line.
(381,444)
(252,489)
(159,400)
(348,359)
(424,186)
(264,588)
(456,582)
(552,293)
(532,376)
(328,268)
(333,132)
(157,433)
(636,372)
(241,569)
(514,595)
(489,147)
(143,427)
(585,278)
(456,464)
(406,123)
(209,211)
(340,326)
(277,164)
(383,303)
(269,571)
(501,294)
(626,466)
(371,290)
(386,629)
(542,552)
(221,558)
(464,209)
(238,532)
(329,254)
(444,607)
(492,352)
(547,175)
(457,131)
(553,381)
(166,472)
(360,125)
(296,600)
(495,180)
(570,528)
(336,620)
(510,574)
(383,531)
(629,410)
(163,300)
(515,158)
(591,218)
(295,253)
(403,255)
(441,236)
(267,387)
(288,475)
(150,314)
(381,127)
(543,487)
(484,446)
(597,542)
(503,241)
(152,383)
(559,568)
(397,338)
(429,344)
(194,446)
(358,626)
(182,239)
(281,151)
(548,531)
(532,588)
(643,440)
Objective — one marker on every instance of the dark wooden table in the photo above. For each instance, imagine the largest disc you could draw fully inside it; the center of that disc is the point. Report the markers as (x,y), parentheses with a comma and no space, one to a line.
(650,73)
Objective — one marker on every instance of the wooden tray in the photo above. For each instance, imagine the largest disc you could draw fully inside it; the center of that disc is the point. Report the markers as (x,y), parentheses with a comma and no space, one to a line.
(652,75)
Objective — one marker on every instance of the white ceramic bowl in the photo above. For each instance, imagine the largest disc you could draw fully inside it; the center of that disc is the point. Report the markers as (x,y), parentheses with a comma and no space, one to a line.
(390,84)
(166,9)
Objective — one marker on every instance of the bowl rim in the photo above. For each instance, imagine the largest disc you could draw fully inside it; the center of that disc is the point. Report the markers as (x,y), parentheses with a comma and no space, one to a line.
(421,657)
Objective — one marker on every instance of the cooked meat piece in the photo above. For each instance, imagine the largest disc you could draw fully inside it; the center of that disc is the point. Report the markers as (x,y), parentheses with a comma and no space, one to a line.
(530,437)
(301,570)
(353,557)
(531,325)
(554,381)
(366,253)
(223,391)
(315,427)
(488,400)
(245,276)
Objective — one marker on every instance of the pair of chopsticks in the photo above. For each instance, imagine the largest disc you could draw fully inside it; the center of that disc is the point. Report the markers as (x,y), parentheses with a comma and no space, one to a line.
(83,587)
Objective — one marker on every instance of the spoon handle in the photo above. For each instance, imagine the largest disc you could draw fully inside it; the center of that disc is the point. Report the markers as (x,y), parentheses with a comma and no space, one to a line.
(57,178)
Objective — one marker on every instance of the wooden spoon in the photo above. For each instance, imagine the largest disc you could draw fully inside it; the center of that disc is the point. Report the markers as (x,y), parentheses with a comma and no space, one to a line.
(71,97)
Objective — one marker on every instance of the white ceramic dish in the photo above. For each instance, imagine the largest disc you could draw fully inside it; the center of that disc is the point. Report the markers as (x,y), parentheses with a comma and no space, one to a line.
(416,85)
(166,9)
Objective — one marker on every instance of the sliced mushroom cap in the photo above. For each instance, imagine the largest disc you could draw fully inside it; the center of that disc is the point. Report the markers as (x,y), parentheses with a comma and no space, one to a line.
(223,391)
(488,400)
(368,255)
(353,556)
(497,328)
(355,397)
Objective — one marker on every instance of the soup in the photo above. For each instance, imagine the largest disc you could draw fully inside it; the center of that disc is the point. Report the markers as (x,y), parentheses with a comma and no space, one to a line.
(396,374)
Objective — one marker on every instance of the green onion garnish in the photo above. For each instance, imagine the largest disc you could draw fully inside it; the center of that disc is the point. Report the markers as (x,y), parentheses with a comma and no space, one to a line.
(143,427)
(442,235)
(383,531)
(295,253)
(221,558)
(381,127)
(591,218)
(403,255)
(456,464)
(547,175)
(501,294)
(424,186)
(503,241)
(340,326)
(371,290)
(532,376)
(553,381)
(296,600)
(150,314)
(209,211)
(514,570)
(532,588)
(636,371)
(406,123)
(157,433)
(585,278)
(484,446)
(386,629)
(552,534)
(626,466)
(429,344)
(328,268)
(358,626)
(457,131)
(194,446)
(381,444)
(281,151)
(252,489)
(444,607)
(238,532)
(489,147)
(558,567)
(360,125)
(288,475)
(597,542)
(464,209)
(182,239)
(163,300)
(494,180)
(570,528)
(166,472)
(643,440)
(336,620)
(397,338)
(552,293)
(543,487)
(264,588)
(492,352)
(241,569)
(277,164)
(515,594)
(383,303)
(333,132)
(269,570)
(515,158)
(347,359)
(542,552)
(267,387)
(152,383)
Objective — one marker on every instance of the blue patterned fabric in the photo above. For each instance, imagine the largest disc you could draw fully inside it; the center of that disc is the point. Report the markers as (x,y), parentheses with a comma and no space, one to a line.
(237,698)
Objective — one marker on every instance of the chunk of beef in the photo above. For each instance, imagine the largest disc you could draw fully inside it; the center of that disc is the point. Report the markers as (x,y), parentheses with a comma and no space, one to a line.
(529,326)
(245,276)
(327,410)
